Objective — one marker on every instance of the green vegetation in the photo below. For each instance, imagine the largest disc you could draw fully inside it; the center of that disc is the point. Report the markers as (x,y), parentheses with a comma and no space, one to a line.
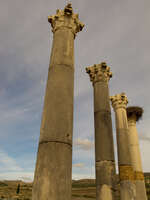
(148,190)
(147,184)
(87,196)
(83,185)
(3,184)
(18,189)
(84,188)
(76,195)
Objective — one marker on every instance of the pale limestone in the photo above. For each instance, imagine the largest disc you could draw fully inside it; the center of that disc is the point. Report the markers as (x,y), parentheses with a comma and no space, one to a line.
(53,172)
(104,148)
(105,193)
(126,173)
(134,114)
(134,146)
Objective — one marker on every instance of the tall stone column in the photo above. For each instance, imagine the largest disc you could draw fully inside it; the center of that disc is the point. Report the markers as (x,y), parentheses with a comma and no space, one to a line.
(134,114)
(53,173)
(126,173)
(104,150)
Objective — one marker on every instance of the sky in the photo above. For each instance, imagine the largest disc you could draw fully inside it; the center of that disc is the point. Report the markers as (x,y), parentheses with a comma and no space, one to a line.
(115,31)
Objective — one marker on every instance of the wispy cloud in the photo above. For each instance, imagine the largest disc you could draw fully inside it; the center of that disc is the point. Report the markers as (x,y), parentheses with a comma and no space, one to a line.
(146,138)
(77,176)
(79,165)
(84,144)
(8,163)
(10,169)
(24,176)
(24,58)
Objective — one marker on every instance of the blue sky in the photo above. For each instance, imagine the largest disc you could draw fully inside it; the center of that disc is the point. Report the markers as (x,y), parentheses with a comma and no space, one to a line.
(115,31)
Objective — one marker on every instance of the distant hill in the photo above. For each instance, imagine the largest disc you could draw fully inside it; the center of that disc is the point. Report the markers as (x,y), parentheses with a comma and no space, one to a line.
(83,189)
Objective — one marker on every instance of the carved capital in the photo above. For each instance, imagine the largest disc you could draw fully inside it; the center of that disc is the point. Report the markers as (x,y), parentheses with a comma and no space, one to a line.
(99,73)
(134,113)
(119,101)
(66,19)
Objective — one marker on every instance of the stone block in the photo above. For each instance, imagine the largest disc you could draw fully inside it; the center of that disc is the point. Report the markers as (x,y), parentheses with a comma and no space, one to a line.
(53,172)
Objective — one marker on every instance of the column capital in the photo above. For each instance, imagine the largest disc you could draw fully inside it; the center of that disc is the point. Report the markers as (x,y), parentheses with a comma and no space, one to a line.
(134,113)
(66,19)
(119,101)
(99,72)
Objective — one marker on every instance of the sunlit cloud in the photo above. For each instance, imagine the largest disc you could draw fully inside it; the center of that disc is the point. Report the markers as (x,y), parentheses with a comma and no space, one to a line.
(24,59)
(8,163)
(79,165)
(84,144)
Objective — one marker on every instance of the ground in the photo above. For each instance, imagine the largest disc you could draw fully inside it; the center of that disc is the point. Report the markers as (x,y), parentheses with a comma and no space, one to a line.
(83,189)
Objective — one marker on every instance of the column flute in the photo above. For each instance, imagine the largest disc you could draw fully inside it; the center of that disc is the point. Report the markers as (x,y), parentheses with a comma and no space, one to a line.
(104,150)
(126,173)
(53,173)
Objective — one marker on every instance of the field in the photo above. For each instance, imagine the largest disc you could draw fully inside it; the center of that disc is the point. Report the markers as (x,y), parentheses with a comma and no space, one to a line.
(83,189)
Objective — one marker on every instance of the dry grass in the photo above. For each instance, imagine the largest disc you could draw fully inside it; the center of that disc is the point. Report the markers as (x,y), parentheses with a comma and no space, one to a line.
(80,190)
(83,189)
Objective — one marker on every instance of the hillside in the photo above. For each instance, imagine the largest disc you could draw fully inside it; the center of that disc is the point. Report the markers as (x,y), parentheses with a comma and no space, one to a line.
(83,189)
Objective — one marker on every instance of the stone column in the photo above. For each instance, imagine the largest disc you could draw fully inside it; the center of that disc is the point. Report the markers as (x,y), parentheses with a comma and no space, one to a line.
(104,149)
(134,114)
(126,173)
(53,173)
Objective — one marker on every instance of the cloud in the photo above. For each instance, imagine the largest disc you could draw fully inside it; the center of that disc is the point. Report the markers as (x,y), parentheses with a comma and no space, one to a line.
(80,165)
(143,130)
(76,176)
(144,151)
(142,137)
(26,179)
(11,170)
(7,163)
(84,144)
(24,56)
(24,176)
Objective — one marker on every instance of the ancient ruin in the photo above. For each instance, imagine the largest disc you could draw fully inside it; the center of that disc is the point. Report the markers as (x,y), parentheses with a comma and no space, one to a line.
(126,173)
(53,172)
(134,114)
(104,146)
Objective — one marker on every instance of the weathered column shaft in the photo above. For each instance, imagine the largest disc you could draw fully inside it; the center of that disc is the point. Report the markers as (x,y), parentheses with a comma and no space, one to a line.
(104,150)
(134,114)
(53,173)
(126,173)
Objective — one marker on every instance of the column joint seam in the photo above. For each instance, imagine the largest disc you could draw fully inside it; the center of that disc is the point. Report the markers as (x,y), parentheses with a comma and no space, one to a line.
(65,65)
(102,111)
(42,142)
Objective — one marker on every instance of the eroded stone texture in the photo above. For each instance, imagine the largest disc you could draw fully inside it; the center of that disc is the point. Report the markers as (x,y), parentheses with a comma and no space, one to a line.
(104,150)
(134,114)
(106,192)
(128,190)
(104,170)
(126,173)
(53,173)
(140,190)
